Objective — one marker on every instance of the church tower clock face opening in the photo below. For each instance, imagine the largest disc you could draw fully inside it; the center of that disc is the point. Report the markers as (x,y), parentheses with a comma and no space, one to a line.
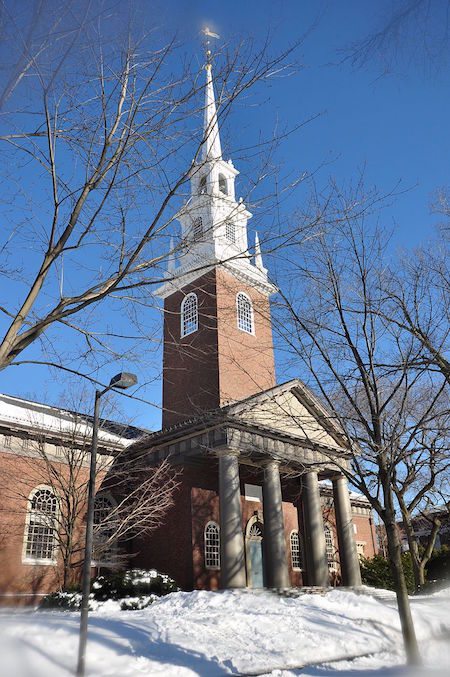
(217,327)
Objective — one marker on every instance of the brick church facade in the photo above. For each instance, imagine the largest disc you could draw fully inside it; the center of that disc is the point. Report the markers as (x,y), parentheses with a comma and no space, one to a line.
(263,501)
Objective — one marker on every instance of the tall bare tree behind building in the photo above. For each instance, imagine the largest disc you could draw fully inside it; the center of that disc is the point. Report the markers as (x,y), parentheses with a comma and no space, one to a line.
(368,371)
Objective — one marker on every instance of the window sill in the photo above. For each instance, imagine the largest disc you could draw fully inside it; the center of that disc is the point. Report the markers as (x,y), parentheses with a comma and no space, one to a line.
(40,562)
(212,568)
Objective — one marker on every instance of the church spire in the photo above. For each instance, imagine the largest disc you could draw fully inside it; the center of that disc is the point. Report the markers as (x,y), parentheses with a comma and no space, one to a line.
(211,149)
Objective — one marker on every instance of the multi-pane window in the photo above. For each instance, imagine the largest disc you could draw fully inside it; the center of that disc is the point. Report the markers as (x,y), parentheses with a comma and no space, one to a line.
(223,184)
(360,549)
(189,315)
(296,551)
(329,545)
(197,228)
(104,527)
(230,232)
(41,525)
(244,313)
(212,546)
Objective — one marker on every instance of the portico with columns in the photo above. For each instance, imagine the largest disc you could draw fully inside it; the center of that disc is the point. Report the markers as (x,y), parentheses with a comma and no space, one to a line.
(252,453)
(223,451)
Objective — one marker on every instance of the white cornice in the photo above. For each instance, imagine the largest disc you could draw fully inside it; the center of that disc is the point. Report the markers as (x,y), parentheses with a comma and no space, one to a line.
(240,268)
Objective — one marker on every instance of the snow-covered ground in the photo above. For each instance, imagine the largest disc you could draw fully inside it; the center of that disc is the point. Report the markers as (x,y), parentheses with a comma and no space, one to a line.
(245,633)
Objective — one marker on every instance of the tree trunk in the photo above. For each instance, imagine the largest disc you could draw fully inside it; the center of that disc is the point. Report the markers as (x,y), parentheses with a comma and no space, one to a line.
(404,609)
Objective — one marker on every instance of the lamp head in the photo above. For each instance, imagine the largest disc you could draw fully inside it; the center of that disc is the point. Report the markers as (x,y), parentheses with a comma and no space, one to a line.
(123,380)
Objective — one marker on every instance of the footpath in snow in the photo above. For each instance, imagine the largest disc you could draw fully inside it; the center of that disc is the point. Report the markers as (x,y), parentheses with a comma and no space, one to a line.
(231,633)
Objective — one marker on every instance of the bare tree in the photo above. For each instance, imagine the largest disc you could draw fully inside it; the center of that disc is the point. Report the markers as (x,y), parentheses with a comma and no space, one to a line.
(97,152)
(418,302)
(407,32)
(332,320)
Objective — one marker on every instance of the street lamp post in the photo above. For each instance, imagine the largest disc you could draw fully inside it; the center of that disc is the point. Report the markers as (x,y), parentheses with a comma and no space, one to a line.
(123,381)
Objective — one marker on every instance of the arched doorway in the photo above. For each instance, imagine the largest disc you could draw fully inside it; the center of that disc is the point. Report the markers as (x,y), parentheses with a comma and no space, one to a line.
(254,534)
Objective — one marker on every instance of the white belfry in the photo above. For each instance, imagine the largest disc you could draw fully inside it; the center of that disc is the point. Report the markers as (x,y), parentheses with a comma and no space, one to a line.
(213,222)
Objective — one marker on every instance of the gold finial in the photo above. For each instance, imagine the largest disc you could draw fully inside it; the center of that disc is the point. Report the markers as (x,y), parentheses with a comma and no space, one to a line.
(207,43)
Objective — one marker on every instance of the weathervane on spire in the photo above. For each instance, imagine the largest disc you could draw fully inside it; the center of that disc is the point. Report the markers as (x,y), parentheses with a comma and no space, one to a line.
(208,34)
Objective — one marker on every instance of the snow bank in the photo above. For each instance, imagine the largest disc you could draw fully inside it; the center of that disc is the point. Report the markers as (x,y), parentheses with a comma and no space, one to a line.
(232,632)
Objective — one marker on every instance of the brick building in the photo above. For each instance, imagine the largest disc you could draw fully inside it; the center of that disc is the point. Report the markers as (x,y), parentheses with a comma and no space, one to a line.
(44,461)
(262,498)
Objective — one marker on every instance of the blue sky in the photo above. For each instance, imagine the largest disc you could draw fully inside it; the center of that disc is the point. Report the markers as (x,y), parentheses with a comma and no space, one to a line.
(394,127)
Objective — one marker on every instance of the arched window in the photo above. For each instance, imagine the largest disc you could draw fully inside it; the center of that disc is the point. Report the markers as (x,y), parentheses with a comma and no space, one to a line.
(223,186)
(40,531)
(189,315)
(329,546)
(296,551)
(244,313)
(197,228)
(230,232)
(104,529)
(212,546)
(202,186)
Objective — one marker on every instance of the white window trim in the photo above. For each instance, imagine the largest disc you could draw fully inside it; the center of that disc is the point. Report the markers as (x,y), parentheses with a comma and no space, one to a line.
(34,561)
(334,564)
(183,303)
(363,543)
(197,228)
(105,563)
(296,531)
(252,315)
(223,179)
(217,567)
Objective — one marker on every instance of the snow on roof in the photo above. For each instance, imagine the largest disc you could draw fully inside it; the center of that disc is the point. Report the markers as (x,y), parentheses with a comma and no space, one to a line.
(27,415)
(354,495)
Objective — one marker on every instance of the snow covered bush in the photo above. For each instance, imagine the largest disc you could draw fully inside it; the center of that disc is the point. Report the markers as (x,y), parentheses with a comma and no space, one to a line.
(70,601)
(137,603)
(133,583)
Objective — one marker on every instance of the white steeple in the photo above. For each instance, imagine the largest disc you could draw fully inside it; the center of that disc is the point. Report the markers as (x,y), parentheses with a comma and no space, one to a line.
(213,223)
(211,149)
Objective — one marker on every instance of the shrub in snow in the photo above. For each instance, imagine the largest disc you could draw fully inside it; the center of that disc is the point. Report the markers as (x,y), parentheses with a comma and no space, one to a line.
(133,583)
(376,572)
(71,601)
(137,603)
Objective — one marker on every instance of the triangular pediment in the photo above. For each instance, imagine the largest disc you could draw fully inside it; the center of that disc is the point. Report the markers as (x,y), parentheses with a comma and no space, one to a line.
(290,409)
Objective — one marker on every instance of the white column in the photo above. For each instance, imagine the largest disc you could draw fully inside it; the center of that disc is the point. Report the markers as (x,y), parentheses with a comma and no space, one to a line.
(316,554)
(348,556)
(274,537)
(232,554)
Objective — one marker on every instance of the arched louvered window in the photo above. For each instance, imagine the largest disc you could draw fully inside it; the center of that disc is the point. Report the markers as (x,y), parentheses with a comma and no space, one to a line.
(223,186)
(104,529)
(244,313)
(41,527)
(230,232)
(189,315)
(296,551)
(202,186)
(212,546)
(329,546)
(197,228)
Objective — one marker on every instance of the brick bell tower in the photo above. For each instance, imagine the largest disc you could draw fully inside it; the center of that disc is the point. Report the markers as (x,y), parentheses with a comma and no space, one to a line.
(217,328)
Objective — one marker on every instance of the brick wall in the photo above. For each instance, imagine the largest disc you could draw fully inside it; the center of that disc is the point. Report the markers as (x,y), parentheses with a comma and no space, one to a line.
(218,362)
(21,581)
